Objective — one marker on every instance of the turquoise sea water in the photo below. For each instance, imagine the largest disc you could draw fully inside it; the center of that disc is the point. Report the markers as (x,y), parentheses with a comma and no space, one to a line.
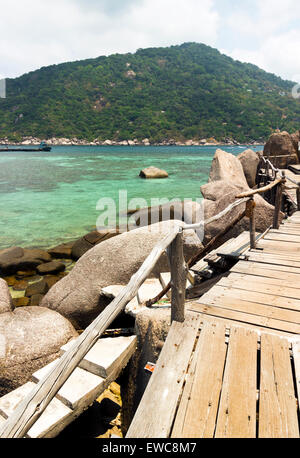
(49,198)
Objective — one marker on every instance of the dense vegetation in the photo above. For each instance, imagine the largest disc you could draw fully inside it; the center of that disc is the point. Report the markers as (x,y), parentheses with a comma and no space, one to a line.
(181,92)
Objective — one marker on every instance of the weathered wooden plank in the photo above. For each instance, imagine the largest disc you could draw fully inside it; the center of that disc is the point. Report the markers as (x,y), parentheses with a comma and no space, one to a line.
(282,237)
(277,403)
(255,283)
(279,282)
(155,414)
(229,323)
(283,259)
(237,411)
(237,246)
(234,294)
(275,246)
(296,359)
(245,317)
(53,420)
(106,354)
(197,412)
(79,391)
(283,229)
(240,305)
(267,270)
(30,409)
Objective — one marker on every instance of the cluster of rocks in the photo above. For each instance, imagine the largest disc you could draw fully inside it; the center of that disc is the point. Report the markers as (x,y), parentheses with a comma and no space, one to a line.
(71,302)
(285,146)
(30,273)
(54,141)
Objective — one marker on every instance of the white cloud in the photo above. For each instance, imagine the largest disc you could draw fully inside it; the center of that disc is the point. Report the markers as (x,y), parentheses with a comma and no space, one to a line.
(271,37)
(35,33)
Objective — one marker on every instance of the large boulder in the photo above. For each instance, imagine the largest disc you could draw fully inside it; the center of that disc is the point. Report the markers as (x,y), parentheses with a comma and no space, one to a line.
(6,304)
(112,262)
(189,211)
(62,251)
(282,144)
(263,212)
(153,172)
(85,243)
(17,259)
(226,167)
(30,338)
(250,161)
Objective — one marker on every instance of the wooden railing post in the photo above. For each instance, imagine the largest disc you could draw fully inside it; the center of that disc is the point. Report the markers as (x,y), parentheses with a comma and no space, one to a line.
(250,206)
(178,278)
(298,196)
(278,203)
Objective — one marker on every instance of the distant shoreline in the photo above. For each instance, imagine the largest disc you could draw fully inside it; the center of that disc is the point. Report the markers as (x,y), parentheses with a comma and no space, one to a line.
(73,142)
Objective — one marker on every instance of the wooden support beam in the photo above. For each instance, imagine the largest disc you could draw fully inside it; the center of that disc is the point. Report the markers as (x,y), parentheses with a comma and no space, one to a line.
(278,204)
(178,278)
(250,213)
(298,196)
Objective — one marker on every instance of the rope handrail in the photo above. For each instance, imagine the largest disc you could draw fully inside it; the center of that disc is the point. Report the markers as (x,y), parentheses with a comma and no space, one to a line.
(276,170)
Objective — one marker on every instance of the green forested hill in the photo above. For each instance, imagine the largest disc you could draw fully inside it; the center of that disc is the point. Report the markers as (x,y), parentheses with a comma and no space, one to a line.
(181,92)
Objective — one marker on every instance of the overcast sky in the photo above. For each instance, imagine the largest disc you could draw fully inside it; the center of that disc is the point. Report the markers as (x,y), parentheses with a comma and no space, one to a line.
(35,33)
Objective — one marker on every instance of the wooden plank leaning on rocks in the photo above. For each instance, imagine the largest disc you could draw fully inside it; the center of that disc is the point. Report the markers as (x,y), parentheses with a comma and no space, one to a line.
(31,408)
(192,261)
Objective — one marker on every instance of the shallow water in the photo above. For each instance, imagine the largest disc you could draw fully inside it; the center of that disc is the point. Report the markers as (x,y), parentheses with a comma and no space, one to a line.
(48,198)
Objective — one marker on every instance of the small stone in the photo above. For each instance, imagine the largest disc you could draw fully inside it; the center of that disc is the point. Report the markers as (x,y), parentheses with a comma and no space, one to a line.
(10,280)
(20,285)
(21,301)
(115,389)
(39,287)
(61,251)
(51,280)
(36,299)
(52,267)
(25,273)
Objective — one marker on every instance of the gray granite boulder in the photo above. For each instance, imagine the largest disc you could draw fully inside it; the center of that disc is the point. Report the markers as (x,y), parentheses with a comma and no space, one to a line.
(78,295)
(263,212)
(188,211)
(282,144)
(249,160)
(30,338)
(17,259)
(153,172)
(226,167)
(6,303)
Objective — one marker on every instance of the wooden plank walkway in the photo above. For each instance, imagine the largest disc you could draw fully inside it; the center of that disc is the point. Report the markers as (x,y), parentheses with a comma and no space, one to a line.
(101,365)
(263,290)
(240,383)
(243,373)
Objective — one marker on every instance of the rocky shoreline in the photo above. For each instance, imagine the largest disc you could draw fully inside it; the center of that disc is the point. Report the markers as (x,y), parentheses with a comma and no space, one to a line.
(34,141)
(48,296)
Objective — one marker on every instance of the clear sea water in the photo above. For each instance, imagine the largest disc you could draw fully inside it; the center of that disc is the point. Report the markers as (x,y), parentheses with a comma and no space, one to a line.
(49,198)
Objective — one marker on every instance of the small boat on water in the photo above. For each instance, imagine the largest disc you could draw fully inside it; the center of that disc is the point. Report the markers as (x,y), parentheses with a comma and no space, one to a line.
(42,147)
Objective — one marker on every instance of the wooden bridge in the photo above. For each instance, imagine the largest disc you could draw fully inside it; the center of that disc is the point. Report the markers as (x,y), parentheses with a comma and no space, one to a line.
(230,366)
